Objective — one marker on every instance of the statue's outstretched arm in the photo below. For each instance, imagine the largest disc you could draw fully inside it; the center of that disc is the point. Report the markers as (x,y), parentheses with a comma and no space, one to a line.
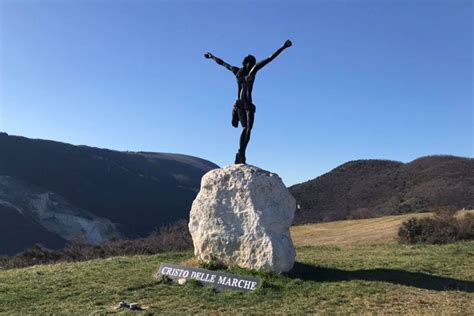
(264,62)
(221,62)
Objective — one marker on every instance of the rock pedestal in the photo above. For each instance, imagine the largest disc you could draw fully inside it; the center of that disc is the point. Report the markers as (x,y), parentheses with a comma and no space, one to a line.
(242,217)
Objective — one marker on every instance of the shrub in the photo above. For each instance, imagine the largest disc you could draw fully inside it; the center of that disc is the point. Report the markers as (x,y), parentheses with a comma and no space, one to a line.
(361,213)
(443,228)
(213,264)
(466,227)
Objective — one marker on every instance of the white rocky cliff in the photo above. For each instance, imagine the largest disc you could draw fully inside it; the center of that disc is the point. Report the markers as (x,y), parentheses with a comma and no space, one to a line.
(54,213)
(242,217)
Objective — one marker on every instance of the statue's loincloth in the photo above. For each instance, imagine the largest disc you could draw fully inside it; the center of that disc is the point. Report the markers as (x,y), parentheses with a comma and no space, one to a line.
(239,112)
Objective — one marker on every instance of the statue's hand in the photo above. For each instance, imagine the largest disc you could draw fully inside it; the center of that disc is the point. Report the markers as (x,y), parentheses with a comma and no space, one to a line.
(208,55)
(288,43)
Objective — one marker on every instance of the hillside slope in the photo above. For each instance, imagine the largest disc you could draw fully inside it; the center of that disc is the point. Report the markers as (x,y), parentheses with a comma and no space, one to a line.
(136,191)
(42,210)
(370,188)
(349,272)
(389,279)
(18,232)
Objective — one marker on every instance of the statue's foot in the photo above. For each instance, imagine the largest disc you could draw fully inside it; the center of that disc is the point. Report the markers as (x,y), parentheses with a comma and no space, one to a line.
(239,158)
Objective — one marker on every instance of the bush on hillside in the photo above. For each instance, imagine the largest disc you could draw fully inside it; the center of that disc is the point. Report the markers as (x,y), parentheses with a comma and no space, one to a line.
(444,227)
(172,237)
(362,213)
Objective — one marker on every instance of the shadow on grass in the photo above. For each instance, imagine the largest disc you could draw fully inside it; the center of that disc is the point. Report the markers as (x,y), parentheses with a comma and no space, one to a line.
(417,279)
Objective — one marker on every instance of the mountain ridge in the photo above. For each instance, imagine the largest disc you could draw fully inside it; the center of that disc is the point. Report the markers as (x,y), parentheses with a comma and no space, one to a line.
(373,187)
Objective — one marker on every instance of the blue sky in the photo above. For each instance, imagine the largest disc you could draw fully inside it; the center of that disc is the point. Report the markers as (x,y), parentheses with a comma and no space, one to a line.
(364,79)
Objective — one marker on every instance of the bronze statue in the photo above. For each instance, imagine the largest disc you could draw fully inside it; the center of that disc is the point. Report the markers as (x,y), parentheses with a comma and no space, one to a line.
(244,109)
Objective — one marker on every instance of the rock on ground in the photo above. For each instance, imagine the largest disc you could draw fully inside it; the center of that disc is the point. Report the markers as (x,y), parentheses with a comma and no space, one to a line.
(242,217)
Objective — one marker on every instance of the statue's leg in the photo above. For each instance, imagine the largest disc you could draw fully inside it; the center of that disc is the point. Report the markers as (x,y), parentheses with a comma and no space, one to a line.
(245,136)
(243,145)
(250,119)
(240,157)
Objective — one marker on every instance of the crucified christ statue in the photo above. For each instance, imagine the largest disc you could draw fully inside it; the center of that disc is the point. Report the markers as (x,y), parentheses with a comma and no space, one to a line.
(244,109)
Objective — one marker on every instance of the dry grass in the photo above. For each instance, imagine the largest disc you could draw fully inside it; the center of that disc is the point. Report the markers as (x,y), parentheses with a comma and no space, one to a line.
(192,262)
(380,230)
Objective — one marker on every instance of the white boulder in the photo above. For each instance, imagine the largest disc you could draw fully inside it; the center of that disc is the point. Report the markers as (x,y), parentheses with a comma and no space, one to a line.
(242,217)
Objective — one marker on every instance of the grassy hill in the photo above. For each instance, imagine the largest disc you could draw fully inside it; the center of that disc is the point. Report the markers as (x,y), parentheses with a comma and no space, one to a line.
(352,273)
(379,230)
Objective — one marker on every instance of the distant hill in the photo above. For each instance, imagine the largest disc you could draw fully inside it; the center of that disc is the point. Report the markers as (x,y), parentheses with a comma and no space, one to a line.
(99,192)
(371,188)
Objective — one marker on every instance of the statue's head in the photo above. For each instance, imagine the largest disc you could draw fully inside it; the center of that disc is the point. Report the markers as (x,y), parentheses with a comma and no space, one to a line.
(248,62)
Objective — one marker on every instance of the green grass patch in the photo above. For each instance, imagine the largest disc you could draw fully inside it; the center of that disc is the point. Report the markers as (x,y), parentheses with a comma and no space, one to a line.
(388,278)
